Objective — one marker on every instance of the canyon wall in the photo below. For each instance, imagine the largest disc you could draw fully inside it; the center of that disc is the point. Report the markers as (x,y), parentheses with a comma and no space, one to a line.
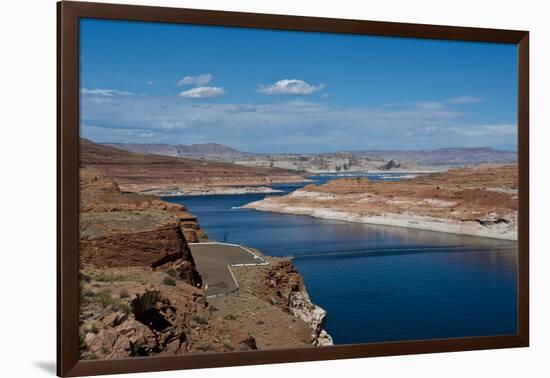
(123,229)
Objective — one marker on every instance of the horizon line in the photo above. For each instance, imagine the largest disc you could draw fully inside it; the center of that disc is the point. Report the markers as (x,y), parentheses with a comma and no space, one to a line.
(310,153)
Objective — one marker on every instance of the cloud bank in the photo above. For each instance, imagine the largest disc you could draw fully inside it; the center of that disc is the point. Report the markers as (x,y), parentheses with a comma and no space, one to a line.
(105,92)
(290,87)
(199,80)
(464,100)
(203,92)
(286,126)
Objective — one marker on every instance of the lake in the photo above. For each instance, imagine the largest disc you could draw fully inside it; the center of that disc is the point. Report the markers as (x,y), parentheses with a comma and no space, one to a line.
(378,283)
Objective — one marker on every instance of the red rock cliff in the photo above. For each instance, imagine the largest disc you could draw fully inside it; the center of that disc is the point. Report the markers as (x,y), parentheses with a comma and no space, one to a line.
(123,229)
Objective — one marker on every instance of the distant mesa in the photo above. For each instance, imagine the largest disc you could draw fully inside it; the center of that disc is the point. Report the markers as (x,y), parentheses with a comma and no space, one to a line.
(173,175)
(195,150)
(334,162)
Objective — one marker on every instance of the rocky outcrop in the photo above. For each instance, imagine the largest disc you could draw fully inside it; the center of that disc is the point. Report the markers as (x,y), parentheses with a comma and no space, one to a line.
(284,287)
(160,323)
(140,291)
(478,201)
(123,229)
(389,165)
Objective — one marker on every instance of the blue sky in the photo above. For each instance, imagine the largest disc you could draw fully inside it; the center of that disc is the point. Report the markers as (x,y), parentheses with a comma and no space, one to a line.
(284,91)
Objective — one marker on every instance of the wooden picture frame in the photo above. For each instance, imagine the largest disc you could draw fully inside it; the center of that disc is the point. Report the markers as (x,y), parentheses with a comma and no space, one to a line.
(69,13)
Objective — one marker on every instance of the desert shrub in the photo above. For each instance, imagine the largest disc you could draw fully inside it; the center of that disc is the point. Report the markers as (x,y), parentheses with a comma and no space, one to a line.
(169,281)
(104,298)
(203,346)
(109,277)
(82,346)
(123,293)
(84,277)
(230,317)
(121,306)
(93,329)
(91,356)
(199,319)
(172,273)
(227,345)
(88,293)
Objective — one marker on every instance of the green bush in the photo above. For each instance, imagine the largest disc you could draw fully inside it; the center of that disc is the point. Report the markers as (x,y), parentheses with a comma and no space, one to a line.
(82,346)
(199,319)
(172,273)
(203,346)
(169,281)
(104,298)
(93,329)
(109,277)
(121,306)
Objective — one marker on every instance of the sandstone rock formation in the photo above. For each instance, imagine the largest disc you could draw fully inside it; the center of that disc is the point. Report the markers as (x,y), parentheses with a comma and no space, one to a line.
(140,291)
(157,322)
(145,173)
(284,287)
(123,229)
(478,201)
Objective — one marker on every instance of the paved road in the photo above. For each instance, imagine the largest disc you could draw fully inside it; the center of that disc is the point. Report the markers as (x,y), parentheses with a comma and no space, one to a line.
(214,261)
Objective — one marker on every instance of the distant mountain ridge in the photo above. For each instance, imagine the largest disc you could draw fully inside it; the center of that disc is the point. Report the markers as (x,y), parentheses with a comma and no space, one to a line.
(169,175)
(179,150)
(367,160)
(449,156)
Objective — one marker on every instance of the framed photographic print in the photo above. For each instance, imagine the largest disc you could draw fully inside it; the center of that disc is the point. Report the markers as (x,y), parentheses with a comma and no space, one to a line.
(241,188)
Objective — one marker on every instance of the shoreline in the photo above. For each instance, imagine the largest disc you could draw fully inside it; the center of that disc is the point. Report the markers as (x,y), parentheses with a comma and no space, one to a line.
(223,190)
(411,221)
(378,172)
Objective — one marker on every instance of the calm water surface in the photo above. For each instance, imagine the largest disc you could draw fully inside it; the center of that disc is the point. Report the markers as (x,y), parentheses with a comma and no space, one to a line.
(379,283)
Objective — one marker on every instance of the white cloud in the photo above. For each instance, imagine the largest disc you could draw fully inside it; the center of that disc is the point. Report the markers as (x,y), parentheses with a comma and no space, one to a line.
(314,125)
(290,87)
(171,125)
(497,130)
(105,92)
(325,95)
(430,105)
(203,92)
(464,100)
(199,80)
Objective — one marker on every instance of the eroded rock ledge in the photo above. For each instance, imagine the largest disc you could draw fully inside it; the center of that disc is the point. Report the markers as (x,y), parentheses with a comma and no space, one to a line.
(473,201)
(284,287)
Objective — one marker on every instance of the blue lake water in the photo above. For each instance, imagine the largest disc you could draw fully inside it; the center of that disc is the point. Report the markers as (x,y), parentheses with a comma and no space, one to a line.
(379,283)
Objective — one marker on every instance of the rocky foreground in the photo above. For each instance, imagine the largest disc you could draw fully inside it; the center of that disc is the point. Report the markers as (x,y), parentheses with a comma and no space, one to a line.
(478,201)
(168,175)
(141,293)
